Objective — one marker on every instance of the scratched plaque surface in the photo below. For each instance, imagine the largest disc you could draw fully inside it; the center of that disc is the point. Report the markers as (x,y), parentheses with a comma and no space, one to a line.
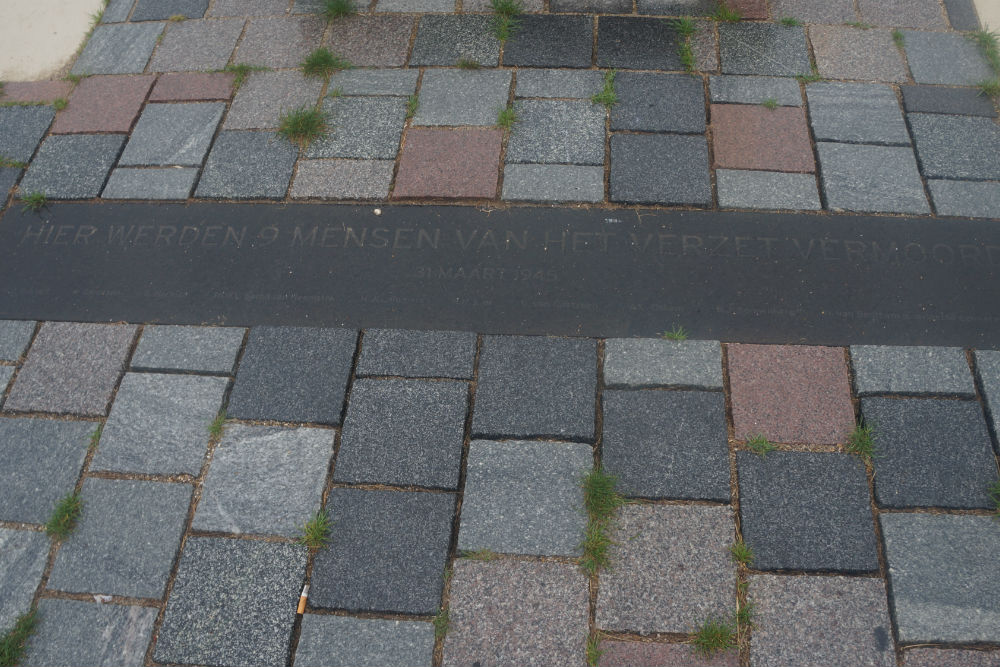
(732,276)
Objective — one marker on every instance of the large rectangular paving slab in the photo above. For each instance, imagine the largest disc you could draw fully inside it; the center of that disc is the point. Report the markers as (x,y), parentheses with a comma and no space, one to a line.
(886,369)
(659,103)
(21,130)
(14,338)
(806,511)
(763,48)
(667,444)
(265,480)
(553,182)
(558,83)
(955,101)
(967,199)
(23,556)
(375,81)
(508,612)
(867,54)
(955,146)
(444,40)
(342,641)
(656,362)
(942,573)
(536,387)
(660,169)
(524,497)
(280,41)
(72,368)
(856,113)
(248,165)
(754,90)
(72,166)
(71,632)
(159,424)
(122,48)
(404,432)
(462,97)
(294,374)
(183,348)
(672,569)
(342,179)
(233,603)
(362,127)
(628,42)
(387,553)
(371,41)
(945,58)
(164,183)
(173,134)
(197,45)
(550,41)
(448,354)
(871,179)
(265,96)
(125,541)
(903,13)
(740,188)
(557,132)
(104,104)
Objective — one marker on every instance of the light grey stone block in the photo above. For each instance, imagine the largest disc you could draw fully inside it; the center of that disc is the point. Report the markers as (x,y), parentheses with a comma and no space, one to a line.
(23,555)
(988,368)
(168,134)
(165,183)
(766,49)
(448,354)
(553,182)
(197,45)
(462,97)
(579,84)
(885,369)
(654,362)
(754,90)
(119,48)
(875,179)
(342,641)
(21,128)
(14,338)
(71,632)
(856,113)
(557,132)
(117,11)
(944,57)
(343,179)
(248,165)
(6,373)
(444,40)
(72,166)
(375,82)
(967,199)
(183,348)
(962,147)
(266,96)
(361,127)
(766,190)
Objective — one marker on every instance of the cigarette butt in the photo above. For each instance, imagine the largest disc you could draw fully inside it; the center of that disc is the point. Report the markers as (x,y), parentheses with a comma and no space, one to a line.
(302,600)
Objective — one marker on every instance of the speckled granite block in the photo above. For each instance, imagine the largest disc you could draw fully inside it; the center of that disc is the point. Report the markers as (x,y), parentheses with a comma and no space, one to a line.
(375,81)
(265,96)
(265,480)
(193,87)
(21,129)
(72,166)
(553,182)
(763,48)
(233,602)
(197,45)
(161,10)
(617,653)
(856,113)
(104,104)
(885,369)
(671,571)
(507,612)
(372,41)
(815,11)
(342,179)
(462,97)
(117,11)
(739,188)
(660,169)
(557,132)
(871,179)
(163,183)
(967,199)
(444,40)
(844,52)
(342,641)
(936,657)
(963,147)
(248,165)
(659,103)
(550,41)
(280,41)
(23,556)
(361,127)
(448,354)
(754,90)
(71,632)
(558,83)
(946,58)
(72,368)
(655,362)
(183,348)
(632,42)
(14,338)
(173,134)
(757,138)
(125,540)
(8,178)
(955,101)
(6,373)
(451,163)
(925,14)
(988,369)
(120,48)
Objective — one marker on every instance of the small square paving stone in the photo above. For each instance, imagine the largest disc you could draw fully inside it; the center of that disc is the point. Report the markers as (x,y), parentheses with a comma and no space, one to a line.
(854,53)
(525,497)
(672,569)
(125,540)
(117,11)
(889,369)
(550,41)
(362,127)
(21,130)
(754,137)
(375,81)
(118,48)
(342,179)
(161,10)
(856,113)
(655,362)
(72,166)
(962,16)
(72,368)
(667,444)
(558,83)
(763,48)
(936,657)
(459,97)
(372,41)
(159,424)
(448,354)
(942,572)
(659,103)
(449,163)
(957,101)
(71,632)
(264,480)
(173,134)
(988,368)
(755,90)
(248,8)
(660,169)
(197,45)
(557,131)
(789,612)
(790,393)
(404,432)
(35,91)
(553,182)
(930,453)
(233,603)
(265,96)
(536,387)
(14,338)
(248,165)
(815,11)
(766,190)
(104,104)
(877,179)
(180,348)
(628,42)
(967,199)
(943,57)
(388,554)
(166,183)
(293,374)
(618,653)
(444,40)
(806,511)
(42,460)
(509,612)
(957,146)
(280,41)
(23,555)
(924,14)
(342,641)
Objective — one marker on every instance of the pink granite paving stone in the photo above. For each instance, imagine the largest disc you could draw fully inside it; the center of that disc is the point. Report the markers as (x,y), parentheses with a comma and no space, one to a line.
(372,41)
(509,612)
(789,393)
(843,52)
(449,163)
(104,104)
(192,87)
(754,137)
(35,91)
(938,657)
(654,654)
(72,368)
(749,9)
(280,41)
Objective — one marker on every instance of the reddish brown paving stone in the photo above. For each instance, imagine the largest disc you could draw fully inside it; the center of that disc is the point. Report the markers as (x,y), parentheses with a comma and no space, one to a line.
(844,52)
(749,9)
(935,657)
(35,91)
(104,104)
(193,87)
(449,163)
(372,41)
(651,654)
(790,393)
(754,137)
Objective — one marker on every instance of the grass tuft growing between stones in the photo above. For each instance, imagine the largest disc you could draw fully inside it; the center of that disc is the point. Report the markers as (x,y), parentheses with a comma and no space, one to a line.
(177,18)
(6,162)
(725,13)
(412,103)
(713,636)
(987,42)
(335,9)
(506,117)
(441,624)
(467,63)
(13,643)
(64,517)
(790,21)
(678,333)
(34,202)
(601,501)
(861,442)
(898,38)
(741,553)
(95,437)
(760,445)
(323,62)
(607,96)
(990,88)
(316,531)
(808,78)
(685,27)
(505,21)
(480,554)
(859,25)
(594,651)
(994,491)
(302,126)
(770,104)
(217,426)
(60,103)
(242,71)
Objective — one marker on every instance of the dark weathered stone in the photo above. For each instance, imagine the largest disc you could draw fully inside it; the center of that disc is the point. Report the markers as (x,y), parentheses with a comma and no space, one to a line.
(550,41)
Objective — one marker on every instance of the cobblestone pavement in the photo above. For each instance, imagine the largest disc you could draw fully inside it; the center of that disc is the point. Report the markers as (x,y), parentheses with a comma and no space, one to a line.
(429,448)
(883,117)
